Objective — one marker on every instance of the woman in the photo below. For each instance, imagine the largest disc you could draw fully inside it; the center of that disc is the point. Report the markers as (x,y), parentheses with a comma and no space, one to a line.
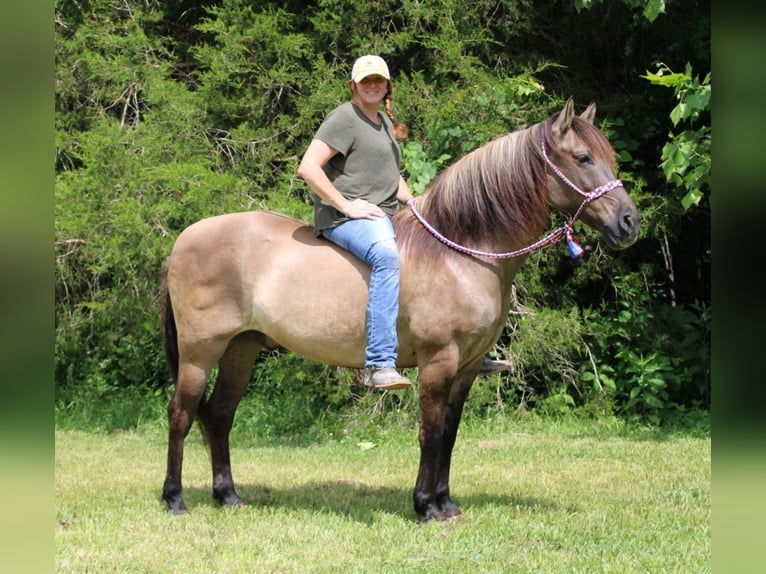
(352,165)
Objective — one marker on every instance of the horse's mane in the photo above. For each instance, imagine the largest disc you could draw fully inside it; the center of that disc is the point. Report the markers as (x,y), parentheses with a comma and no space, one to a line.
(497,191)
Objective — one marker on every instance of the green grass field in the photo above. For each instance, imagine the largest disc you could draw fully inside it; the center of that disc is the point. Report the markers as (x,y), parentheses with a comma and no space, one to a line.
(536,497)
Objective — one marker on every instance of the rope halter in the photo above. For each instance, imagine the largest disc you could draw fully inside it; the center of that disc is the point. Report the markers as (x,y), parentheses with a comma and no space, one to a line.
(566,230)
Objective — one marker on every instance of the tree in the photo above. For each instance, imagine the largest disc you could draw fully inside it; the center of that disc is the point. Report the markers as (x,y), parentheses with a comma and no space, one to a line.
(167,112)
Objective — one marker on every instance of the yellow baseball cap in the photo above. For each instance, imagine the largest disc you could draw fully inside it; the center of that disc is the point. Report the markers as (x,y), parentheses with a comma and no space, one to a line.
(368,66)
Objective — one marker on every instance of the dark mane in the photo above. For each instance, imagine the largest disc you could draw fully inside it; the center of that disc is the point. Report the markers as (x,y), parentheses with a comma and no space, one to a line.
(496,191)
(494,195)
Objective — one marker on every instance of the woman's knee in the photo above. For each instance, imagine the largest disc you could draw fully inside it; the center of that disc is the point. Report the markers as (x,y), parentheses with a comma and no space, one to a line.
(384,253)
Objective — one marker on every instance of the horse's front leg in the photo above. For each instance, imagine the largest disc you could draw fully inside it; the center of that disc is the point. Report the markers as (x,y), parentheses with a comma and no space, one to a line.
(441,406)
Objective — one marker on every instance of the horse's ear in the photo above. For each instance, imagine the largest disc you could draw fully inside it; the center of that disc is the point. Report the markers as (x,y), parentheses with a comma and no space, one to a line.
(564,121)
(589,115)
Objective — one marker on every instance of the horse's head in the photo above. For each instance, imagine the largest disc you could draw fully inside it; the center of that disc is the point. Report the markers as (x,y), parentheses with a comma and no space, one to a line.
(581,179)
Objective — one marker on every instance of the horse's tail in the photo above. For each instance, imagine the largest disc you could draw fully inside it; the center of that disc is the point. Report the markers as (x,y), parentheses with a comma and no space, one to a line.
(168,326)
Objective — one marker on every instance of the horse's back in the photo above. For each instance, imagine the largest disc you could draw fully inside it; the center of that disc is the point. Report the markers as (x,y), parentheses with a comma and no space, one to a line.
(238,226)
(224,242)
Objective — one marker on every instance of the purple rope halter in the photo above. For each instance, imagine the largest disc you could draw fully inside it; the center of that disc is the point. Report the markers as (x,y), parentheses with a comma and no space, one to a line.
(566,230)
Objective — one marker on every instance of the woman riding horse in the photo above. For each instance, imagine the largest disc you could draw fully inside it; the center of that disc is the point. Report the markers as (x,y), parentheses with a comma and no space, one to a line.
(240,283)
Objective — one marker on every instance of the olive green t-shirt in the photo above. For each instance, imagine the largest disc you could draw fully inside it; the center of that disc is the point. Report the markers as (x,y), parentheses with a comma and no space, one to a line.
(366,165)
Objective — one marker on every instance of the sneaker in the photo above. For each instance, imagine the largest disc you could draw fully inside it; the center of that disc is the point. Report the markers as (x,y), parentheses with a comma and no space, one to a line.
(384,378)
(491,367)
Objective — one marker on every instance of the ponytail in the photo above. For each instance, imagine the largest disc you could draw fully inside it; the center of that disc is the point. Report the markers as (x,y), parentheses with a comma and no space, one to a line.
(401,131)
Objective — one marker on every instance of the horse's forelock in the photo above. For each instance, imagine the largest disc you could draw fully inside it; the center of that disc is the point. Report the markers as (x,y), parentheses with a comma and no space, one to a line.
(597,144)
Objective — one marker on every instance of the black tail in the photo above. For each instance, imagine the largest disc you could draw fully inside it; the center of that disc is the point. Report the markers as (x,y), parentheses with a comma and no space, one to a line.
(168,325)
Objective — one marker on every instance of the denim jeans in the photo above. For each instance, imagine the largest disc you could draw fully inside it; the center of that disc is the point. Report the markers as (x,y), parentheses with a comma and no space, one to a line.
(374,242)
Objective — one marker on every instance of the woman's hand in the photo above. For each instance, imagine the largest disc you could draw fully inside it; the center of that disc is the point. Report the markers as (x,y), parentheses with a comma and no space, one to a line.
(362,209)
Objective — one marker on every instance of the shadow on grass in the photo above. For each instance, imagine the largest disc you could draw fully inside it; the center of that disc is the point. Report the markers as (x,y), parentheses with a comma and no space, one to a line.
(358,501)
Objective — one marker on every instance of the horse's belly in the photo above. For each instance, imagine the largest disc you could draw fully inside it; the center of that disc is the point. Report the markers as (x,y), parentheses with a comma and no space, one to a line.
(319,335)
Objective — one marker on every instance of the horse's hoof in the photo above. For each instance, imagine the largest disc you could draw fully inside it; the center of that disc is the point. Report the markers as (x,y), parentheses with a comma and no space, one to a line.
(229,499)
(435,515)
(177,507)
(450,510)
(447,512)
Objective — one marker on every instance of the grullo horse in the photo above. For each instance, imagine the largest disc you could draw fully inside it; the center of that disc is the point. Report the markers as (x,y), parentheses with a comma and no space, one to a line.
(239,283)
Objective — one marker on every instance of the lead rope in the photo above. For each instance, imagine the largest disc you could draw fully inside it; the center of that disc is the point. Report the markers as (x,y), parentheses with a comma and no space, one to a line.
(566,230)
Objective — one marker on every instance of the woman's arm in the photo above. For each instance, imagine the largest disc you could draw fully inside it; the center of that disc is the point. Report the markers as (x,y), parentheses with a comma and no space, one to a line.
(403,194)
(310,169)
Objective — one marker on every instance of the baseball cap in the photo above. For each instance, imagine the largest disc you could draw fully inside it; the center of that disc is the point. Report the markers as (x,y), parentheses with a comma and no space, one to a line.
(367,66)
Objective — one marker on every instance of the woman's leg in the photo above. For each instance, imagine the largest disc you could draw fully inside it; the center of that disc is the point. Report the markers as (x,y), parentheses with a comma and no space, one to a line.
(374,242)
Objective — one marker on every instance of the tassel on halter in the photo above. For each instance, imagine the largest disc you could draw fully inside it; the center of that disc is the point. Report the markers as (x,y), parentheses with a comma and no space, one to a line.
(574,248)
(573,244)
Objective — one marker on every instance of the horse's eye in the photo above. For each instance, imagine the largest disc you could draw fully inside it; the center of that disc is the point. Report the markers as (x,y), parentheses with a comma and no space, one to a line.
(583,158)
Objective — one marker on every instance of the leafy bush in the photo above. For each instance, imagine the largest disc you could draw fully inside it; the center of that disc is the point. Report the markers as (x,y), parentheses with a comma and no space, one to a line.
(653,356)
(686,158)
(168,113)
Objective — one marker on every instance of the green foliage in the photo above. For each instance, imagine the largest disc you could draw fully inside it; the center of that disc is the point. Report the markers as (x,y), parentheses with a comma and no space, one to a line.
(293,397)
(651,8)
(686,157)
(420,169)
(167,113)
(470,118)
(545,346)
(116,218)
(98,404)
(473,115)
(653,356)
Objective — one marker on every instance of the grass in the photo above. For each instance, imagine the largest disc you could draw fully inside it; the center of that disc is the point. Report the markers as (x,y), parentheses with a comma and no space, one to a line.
(536,496)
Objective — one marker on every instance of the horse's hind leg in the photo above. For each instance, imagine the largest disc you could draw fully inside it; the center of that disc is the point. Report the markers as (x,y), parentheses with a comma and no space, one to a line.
(189,389)
(216,416)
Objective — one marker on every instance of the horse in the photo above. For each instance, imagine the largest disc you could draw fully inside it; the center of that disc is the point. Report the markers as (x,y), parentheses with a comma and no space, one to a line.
(240,283)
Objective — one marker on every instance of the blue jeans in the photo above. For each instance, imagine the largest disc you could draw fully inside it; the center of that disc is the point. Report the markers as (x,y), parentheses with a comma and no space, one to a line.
(374,242)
